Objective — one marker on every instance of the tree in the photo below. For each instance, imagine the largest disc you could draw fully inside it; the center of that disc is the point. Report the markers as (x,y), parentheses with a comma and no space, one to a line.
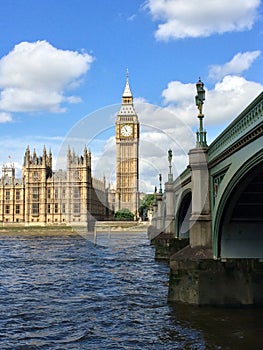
(124,214)
(145,205)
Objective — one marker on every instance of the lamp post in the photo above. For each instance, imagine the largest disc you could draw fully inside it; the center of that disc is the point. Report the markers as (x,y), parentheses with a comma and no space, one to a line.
(199,101)
(160,180)
(170,157)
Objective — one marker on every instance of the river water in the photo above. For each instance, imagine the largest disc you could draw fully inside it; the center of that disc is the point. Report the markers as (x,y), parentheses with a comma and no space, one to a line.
(64,292)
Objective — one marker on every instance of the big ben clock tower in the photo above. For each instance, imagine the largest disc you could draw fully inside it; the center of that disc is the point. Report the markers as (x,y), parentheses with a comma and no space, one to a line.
(127,153)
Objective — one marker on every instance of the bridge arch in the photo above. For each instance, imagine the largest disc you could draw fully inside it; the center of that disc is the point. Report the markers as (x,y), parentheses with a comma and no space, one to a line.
(238,229)
(183,215)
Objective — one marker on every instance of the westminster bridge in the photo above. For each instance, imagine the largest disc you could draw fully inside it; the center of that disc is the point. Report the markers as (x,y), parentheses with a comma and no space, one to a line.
(209,220)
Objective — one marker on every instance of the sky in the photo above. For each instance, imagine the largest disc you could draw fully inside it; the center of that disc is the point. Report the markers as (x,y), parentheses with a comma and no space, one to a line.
(63,67)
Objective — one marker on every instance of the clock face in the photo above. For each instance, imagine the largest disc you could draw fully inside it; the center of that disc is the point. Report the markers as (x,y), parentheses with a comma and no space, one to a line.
(126,130)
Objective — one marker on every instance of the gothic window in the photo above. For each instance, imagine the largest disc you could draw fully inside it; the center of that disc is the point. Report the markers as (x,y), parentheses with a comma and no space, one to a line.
(63,208)
(7,195)
(17,209)
(76,192)
(48,208)
(48,193)
(56,193)
(17,195)
(76,209)
(35,209)
(7,209)
(56,208)
(35,193)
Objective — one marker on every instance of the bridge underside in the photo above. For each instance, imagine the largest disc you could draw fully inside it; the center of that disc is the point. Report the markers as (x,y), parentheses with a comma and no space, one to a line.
(184,214)
(242,219)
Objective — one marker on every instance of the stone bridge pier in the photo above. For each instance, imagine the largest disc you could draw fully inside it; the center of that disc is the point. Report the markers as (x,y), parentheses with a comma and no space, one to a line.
(200,220)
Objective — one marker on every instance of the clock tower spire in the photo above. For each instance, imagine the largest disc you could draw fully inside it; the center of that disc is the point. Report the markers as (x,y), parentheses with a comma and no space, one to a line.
(127,153)
(127,94)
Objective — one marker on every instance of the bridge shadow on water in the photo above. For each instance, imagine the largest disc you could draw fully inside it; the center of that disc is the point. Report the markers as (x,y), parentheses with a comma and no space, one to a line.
(220,328)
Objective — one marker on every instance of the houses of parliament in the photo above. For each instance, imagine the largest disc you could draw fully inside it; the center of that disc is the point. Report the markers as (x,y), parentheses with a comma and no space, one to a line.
(43,196)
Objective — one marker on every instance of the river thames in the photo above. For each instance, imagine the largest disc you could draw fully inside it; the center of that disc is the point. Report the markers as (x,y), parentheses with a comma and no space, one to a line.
(64,292)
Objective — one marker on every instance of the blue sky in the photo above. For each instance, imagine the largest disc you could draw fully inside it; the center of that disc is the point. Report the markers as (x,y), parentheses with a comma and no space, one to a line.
(63,66)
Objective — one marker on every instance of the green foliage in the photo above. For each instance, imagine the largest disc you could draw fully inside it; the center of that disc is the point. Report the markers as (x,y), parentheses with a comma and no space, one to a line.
(145,205)
(124,214)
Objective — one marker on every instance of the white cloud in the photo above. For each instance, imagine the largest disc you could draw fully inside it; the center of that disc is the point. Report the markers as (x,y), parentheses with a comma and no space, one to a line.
(5,117)
(180,99)
(132,18)
(37,77)
(223,103)
(239,63)
(178,92)
(229,98)
(191,18)
(104,160)
(27,100)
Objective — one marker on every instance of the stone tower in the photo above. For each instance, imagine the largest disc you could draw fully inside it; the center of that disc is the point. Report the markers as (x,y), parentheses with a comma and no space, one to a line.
(35,173)
(79,186)
(127,153)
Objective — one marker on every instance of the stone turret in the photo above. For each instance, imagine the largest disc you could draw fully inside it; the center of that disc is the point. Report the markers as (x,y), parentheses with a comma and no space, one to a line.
(74,160)
(27,157)
(49,159)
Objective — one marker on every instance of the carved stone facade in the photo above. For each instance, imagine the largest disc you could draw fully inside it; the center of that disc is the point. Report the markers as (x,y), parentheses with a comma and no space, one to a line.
(43,197)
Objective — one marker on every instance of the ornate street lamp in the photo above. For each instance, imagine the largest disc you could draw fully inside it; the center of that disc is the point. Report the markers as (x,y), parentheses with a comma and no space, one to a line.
(199,101)
(160,180)
(170,157)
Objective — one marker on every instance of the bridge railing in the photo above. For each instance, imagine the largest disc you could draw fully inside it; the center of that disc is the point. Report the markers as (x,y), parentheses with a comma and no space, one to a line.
(251,117)
(182,179)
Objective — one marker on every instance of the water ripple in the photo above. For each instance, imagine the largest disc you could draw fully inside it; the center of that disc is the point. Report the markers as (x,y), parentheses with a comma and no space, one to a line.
(65,293)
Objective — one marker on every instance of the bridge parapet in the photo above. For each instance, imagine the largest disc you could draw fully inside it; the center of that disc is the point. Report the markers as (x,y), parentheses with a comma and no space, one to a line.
(245,123)
(182,179)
